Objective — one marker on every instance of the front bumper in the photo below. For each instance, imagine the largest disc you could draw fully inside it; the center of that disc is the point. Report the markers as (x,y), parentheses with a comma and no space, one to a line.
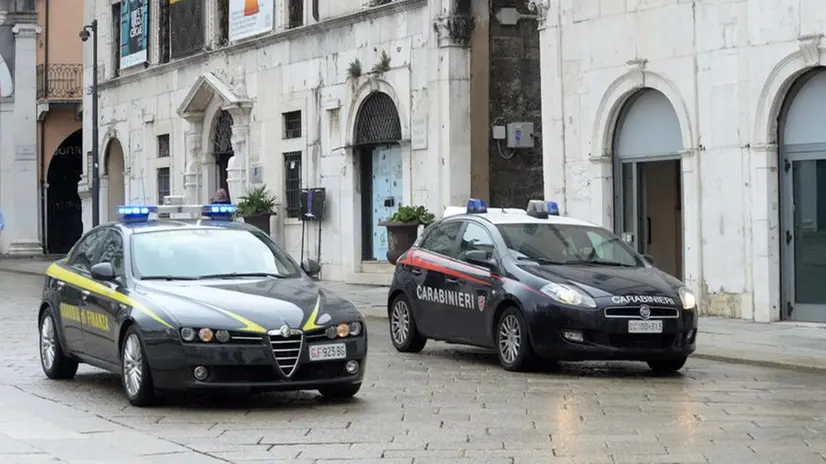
(251,365)
(608,338)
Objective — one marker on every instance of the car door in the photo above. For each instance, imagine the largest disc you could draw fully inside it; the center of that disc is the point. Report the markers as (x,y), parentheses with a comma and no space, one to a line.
(478,282)
(430,306)
(101,312)
(71,289)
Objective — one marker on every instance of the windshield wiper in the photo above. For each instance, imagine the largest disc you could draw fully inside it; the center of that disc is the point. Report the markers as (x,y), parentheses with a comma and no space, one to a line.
(539,260)
(168,277)
(232,275)
(598,262)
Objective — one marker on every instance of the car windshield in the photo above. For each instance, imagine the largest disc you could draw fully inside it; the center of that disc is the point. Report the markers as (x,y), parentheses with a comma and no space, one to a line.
(207,253)
(547,243)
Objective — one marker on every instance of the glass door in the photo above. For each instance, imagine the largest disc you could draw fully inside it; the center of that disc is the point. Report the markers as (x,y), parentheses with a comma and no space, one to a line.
(805,236)
(630,205)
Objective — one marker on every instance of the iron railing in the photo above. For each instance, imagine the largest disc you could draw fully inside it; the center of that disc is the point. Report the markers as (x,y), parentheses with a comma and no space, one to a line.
(60,81)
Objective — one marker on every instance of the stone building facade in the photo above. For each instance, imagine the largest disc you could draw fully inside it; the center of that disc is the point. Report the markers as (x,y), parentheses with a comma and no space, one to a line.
(697,128)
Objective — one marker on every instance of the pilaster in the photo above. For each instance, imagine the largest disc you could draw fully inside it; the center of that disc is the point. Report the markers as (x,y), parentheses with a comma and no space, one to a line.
(238,166)
(194,156)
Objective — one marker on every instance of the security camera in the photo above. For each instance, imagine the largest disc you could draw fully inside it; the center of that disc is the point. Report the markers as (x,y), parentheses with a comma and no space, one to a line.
(84,35)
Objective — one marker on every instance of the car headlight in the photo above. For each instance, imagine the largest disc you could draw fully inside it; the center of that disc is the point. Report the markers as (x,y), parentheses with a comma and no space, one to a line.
(568,295)
(355,328)
(687,298)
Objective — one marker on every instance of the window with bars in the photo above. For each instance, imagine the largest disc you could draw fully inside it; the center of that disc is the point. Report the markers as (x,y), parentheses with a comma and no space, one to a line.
(292,183)
(164,187)
(296,13)
(223,22)
(292,125)
(163,146)
(116,39)
(186,19)
(163,31)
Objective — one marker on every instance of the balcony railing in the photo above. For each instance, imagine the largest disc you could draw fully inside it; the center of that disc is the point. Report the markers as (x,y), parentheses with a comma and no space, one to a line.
(60,81)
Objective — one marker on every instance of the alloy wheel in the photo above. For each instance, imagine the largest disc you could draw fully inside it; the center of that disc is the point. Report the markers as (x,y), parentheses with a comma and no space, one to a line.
(510,338)
(48,341)
(132,365)
(400,322)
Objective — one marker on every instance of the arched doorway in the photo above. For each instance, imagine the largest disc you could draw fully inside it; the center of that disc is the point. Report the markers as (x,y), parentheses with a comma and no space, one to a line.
(222,149)
(116,183)
(648,145)
(63,208)
(802,136)
(378,133)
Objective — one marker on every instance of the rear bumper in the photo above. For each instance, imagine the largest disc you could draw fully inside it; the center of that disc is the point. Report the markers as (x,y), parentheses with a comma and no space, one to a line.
(250,366)
(609,338)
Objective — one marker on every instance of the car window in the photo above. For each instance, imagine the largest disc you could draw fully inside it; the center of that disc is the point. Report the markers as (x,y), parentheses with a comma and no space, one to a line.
(194,253)
(567,243)
(85,253)
(112,251)
(442,239)
(476,237)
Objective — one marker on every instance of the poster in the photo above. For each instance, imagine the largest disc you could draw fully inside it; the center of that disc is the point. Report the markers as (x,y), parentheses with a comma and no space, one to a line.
(134,32)
(250,17)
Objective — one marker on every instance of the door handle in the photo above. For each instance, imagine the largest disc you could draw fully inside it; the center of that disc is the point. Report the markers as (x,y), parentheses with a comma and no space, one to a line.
(451,280)
(416,271)
(60,284)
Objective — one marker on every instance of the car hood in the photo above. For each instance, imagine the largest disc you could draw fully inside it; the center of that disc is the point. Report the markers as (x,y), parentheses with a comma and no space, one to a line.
(255,305)
(608,281)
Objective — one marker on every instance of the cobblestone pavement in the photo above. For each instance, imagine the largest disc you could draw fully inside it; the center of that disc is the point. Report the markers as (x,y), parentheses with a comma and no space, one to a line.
(448,404)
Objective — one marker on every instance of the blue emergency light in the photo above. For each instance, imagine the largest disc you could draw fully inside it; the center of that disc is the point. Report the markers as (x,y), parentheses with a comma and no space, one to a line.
(220,212)
(135,213)
(476,206)
(553,208)
(542,209)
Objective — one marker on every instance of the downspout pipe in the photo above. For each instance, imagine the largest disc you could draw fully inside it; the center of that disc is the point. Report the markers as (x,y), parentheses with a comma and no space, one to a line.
(43,177)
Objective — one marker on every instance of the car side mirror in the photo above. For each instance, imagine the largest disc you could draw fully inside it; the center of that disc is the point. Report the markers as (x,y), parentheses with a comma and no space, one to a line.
(311,267)
(103,271)
(480,258)
(648,258)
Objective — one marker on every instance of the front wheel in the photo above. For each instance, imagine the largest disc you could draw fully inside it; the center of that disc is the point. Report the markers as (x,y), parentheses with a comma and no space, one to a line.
(135,374)
(340,392)
(56,365)
(513,347)
(403,331)
(667,366)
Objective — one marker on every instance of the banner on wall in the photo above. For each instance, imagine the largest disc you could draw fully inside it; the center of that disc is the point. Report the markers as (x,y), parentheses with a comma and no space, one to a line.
(134,32)
(250,17)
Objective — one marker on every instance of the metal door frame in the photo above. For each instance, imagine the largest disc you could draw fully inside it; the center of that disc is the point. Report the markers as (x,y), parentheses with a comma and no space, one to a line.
(788,156)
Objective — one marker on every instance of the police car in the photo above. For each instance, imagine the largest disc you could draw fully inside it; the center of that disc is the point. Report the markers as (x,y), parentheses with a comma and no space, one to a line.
(203,302)
(534,285)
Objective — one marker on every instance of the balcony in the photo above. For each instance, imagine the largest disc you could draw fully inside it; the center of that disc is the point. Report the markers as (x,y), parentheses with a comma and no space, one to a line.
(60,82)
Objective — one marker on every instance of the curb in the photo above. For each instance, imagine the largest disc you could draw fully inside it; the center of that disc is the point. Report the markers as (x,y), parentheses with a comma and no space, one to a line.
(22,271)
(794,363)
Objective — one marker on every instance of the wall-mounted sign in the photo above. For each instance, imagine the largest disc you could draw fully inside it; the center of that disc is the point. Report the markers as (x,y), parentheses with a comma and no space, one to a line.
(257,175)
(250,17)
(134,32)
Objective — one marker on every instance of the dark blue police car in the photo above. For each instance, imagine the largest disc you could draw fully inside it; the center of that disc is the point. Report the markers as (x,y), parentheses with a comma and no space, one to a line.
(534,285)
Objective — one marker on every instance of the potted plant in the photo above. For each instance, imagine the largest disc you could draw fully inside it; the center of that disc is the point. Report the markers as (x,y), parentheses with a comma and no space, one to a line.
(256,207)
(403,229)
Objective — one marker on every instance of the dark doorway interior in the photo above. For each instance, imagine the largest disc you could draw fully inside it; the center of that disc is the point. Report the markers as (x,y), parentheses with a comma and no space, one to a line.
(222,148)
(63,213)
(365,159)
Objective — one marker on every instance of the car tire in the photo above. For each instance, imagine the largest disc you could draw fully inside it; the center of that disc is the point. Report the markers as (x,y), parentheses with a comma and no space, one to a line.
(667,366)
(404,334)
(341,391)
(55,363)
(512,343)
(135,374)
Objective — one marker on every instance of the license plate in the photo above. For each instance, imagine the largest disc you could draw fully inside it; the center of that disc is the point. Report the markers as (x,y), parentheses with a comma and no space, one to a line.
(327,352)
(645,327)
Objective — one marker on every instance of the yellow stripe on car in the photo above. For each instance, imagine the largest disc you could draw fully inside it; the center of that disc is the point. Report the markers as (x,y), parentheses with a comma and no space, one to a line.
(310,324)
(249,326)
(60,273)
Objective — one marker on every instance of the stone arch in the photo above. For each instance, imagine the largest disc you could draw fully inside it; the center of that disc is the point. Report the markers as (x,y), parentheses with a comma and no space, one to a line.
(221,148)
(6,81)
(114,176)
(615,99)
(377,121)
(366,91)
(642,110)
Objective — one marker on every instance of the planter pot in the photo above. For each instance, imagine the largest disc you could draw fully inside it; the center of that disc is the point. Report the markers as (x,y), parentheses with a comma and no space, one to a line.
(401,236)
(262,221)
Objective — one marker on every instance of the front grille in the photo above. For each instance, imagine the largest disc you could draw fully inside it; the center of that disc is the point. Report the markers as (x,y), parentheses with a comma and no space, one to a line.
(316,335)
(287,351)
(633,312)
(245,338)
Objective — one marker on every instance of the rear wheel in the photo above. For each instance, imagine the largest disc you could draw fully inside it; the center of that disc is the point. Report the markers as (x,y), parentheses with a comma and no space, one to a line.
(340,392)
(667,366)
(403,331)
(513,347)
(56,365)
(135,374)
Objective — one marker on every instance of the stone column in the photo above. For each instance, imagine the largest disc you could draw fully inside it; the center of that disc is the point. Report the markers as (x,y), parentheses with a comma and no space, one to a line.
(238,166)
(19,176)
(192,172)
(451,101)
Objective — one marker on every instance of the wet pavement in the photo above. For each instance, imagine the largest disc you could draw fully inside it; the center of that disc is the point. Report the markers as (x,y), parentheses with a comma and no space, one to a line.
(447,404)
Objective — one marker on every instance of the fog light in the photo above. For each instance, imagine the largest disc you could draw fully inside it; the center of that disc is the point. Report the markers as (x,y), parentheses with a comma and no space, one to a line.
(200,373)
(343,330)
(222,336)
(205,335)
(188,334)
(573,336)
(352,367)
(331,332)
(355,328)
